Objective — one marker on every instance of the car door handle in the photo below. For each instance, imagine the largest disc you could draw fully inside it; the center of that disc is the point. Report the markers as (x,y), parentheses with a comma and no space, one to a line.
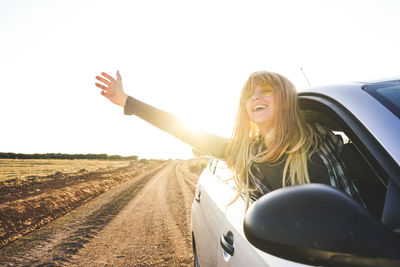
(197,196)
(226,242)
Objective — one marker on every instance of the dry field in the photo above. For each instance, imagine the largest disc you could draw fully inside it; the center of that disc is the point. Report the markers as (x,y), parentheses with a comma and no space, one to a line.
(33,168)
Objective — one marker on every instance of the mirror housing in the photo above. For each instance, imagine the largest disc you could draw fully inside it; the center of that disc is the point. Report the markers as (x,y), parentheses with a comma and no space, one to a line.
(319,225)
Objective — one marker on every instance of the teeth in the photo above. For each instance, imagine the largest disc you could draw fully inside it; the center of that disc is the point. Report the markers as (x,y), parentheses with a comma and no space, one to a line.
(258,107)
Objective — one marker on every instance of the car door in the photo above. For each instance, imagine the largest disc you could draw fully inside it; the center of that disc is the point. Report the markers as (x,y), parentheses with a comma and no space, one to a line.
(208,212)
(244,254)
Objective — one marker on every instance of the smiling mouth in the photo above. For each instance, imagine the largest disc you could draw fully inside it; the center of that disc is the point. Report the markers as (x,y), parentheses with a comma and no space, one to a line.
(259,107)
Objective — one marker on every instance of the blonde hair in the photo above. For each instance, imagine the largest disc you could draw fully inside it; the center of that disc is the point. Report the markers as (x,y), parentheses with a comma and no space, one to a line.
(290,137)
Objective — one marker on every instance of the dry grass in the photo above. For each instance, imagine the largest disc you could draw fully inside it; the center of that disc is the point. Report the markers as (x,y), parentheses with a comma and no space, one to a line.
(198,165)
(27,168)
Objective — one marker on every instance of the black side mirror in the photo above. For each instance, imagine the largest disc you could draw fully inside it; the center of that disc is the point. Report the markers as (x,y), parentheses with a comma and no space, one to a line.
(319,225)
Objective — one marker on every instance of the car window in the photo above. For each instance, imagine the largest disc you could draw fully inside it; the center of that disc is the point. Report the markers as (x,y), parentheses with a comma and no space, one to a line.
(363,170)
(370,186)
(387,93)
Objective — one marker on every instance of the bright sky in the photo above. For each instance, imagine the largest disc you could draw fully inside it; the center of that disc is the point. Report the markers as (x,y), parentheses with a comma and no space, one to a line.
(190,58)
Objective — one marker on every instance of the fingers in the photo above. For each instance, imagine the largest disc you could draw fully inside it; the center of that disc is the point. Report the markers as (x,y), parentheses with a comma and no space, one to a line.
(108,80)
(107,76)
(101,86)
(103,80)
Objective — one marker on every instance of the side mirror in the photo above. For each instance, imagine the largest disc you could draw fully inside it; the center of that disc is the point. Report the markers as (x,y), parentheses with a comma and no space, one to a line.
(319,225)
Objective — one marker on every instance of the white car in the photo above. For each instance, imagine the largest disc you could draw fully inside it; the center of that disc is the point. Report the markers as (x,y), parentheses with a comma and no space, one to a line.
(314,224)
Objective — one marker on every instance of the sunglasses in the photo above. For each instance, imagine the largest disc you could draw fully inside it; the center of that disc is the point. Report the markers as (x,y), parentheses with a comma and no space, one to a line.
(263,93)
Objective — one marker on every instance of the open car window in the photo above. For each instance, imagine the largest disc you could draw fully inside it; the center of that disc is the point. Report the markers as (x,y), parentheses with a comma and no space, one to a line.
(363,169)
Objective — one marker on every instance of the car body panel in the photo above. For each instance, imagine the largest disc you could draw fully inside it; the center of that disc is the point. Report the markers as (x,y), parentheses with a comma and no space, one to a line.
(245,253)
(207,216)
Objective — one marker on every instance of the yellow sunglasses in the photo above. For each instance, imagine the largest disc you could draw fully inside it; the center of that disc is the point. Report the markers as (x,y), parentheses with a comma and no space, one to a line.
(263,93)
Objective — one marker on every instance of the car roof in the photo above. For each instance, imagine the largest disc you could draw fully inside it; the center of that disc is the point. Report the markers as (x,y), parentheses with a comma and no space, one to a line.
(380,122)
(396,78)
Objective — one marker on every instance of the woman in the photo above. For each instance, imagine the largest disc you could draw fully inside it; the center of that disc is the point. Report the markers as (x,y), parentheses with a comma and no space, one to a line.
(272,146)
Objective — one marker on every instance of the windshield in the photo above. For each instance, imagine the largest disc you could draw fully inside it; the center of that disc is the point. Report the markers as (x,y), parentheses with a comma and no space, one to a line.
(388,93)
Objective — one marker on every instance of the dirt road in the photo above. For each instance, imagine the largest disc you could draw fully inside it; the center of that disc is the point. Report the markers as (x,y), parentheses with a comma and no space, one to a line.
(142,222)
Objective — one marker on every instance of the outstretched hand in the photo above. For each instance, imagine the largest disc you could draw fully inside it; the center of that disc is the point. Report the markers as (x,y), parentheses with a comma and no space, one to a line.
(112,88)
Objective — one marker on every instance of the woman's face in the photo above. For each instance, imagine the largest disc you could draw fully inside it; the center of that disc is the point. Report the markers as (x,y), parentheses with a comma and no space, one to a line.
(260,107)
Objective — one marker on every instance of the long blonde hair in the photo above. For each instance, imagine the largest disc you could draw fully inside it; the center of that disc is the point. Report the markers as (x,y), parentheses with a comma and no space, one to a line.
(290,139)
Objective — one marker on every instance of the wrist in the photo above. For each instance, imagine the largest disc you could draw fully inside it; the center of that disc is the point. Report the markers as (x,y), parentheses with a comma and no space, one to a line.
(123,100)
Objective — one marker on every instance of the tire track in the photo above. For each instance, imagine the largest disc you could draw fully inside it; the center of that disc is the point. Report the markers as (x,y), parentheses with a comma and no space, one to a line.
(134,237)
(150,231)
(187,192)
(188,177)
(179,198)
(173,212)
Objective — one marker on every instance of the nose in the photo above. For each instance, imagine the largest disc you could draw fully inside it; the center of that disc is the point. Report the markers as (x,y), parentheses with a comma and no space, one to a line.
(255,96)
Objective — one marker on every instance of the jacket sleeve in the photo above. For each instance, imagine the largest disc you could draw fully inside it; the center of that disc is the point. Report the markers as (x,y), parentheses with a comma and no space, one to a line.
(206,143)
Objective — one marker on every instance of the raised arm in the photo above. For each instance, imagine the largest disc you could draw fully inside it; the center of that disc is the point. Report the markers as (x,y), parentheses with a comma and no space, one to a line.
(207,143)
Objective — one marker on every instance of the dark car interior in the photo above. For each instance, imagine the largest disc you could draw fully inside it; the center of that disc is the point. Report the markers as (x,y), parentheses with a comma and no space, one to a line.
(370,184)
